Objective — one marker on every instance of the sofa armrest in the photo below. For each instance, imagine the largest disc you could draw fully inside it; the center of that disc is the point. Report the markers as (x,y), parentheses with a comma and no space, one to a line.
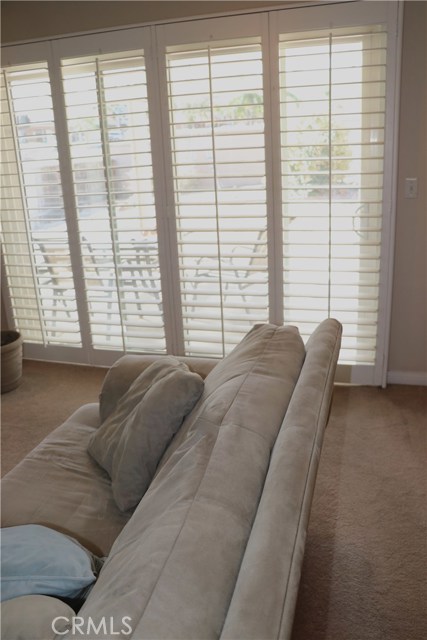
(127,368)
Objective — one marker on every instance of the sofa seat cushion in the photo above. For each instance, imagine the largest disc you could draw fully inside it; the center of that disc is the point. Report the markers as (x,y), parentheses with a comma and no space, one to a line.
(60,486)
(183,546)
(132,440)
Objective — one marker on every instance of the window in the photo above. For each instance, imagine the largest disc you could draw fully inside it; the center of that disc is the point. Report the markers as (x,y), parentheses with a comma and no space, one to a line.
(167,187)
(332,126)
(218,156)
(110,148)
(34,235)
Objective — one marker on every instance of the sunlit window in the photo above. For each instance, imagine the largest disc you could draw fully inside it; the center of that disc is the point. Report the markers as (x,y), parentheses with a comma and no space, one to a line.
(109,140)
(332,124)
(167,187)
(34,236)
(216,111)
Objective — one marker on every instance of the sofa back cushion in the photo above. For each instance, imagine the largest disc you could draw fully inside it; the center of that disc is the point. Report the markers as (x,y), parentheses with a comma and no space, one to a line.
(183,546)
(276,543)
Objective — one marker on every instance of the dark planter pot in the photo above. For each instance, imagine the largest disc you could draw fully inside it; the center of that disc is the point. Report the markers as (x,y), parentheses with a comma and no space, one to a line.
(11,360)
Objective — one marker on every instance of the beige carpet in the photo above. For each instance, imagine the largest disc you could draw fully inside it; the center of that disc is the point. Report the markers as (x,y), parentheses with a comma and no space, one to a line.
(364,574)
(48,394)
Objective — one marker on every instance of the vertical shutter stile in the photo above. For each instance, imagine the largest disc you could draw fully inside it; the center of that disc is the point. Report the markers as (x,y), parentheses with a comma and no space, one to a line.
(330,176)
(111,204)
(215,176)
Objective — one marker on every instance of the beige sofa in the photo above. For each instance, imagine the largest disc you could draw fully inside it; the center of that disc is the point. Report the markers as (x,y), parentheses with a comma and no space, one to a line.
(214,549)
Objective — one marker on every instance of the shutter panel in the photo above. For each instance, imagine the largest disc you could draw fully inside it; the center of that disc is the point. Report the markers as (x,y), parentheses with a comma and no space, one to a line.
(216,113)
(332,86)
(34,235)
(109,140)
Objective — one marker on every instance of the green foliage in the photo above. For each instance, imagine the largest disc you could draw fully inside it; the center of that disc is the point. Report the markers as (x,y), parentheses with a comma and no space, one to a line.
(309,166)
(312,168)
(247,106)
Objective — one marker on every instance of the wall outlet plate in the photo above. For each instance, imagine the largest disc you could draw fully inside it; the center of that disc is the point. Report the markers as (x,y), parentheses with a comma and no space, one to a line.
(411,187)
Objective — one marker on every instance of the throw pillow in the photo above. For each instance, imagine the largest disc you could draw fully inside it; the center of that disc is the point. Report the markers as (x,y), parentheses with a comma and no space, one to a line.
(35,618)
(139,387)
(131,442)
(39,560)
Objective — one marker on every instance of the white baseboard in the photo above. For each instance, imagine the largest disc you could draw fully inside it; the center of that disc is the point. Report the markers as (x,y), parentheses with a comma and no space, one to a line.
(407,377)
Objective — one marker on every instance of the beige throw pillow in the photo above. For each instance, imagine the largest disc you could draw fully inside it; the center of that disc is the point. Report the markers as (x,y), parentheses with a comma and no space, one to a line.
(131,442)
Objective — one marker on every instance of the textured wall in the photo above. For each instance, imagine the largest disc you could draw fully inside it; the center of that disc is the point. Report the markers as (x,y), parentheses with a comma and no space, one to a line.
(408,342)
(42,19)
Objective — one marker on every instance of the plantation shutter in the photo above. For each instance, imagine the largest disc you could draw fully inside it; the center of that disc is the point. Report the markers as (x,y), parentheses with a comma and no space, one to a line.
(216,118)
(34,235)
(332,108)
(201,177)
(109,142)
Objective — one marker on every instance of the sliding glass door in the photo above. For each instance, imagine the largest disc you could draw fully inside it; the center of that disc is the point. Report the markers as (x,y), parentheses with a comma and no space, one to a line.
(166,188)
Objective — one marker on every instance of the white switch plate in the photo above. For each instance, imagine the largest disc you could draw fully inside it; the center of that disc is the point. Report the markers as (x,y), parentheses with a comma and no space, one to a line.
(411,187)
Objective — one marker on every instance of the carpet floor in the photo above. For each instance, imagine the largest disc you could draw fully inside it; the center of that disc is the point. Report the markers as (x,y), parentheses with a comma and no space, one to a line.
(364,572)
(47,395)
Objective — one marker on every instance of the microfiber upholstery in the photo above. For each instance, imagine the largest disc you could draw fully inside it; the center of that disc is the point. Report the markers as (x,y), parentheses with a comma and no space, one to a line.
(183,547)
(121,375)
(59,485)
(31,618)
(265,594)
(132,440)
